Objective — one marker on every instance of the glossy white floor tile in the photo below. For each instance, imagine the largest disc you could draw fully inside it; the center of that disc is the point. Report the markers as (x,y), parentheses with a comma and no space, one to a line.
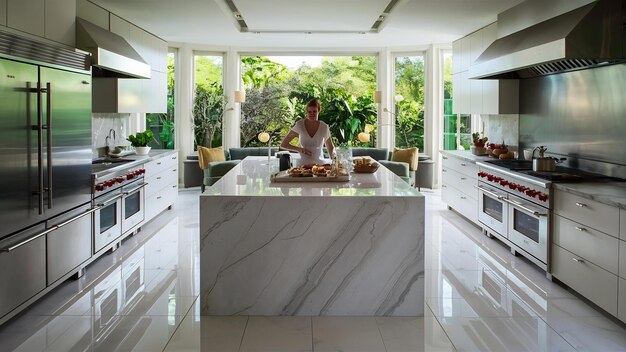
(144,297)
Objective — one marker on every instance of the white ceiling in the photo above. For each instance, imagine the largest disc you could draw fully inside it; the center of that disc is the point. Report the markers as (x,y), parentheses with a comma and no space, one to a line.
(412,23)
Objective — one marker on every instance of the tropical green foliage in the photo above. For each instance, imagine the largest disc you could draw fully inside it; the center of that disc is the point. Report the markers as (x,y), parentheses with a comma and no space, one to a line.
(410,102)
(140,139)
(162,124)
(276,97)
(208,111)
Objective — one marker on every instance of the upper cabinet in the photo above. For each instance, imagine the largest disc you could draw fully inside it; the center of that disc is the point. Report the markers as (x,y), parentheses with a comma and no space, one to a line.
(3,12)
(92,13)
(473,96)
(50,19)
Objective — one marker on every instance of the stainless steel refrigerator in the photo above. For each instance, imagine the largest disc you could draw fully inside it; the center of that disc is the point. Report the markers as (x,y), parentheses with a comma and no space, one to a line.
(45,166)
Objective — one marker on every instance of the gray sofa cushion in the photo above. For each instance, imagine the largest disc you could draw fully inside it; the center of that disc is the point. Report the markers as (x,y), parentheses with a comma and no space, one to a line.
(242,153)
(374,153)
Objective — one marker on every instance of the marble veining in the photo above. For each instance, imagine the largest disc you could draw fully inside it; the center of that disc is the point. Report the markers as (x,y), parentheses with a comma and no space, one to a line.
(301,255)
(611,193)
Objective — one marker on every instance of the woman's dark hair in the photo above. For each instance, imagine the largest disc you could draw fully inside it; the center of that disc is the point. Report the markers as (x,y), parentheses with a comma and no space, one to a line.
(314,102)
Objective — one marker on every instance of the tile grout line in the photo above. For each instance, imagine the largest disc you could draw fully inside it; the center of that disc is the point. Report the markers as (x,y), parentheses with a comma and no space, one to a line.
(382,339)
(181,323)
(244,333)
(440,325)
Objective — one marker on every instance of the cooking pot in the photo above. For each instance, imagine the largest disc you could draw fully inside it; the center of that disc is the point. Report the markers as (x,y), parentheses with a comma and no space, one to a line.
(284,161)
(543,163)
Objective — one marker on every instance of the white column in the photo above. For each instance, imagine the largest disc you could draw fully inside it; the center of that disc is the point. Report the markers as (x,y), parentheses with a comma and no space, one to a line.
(183,76)
(232,114)
(385,130)
(433,105)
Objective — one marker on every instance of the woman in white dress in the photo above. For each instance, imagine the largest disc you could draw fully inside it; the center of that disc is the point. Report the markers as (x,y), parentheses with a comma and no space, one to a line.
(313,134)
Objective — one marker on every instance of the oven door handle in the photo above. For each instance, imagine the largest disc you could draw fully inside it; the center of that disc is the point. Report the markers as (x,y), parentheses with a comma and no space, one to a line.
(109,201)
(490,193)
(134,189)
(521,206)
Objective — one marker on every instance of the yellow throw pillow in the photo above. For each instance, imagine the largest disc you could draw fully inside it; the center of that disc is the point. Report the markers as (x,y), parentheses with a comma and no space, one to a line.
(208,155)
(408,155)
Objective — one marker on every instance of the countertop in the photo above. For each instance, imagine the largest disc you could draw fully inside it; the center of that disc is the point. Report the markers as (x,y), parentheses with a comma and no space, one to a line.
(465,155)
(98,170)
(611,193)
(251,177)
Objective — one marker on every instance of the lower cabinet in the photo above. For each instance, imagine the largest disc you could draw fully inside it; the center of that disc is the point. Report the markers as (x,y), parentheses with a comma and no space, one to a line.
(593,282)
(162,184)
(458,188)
(23,273)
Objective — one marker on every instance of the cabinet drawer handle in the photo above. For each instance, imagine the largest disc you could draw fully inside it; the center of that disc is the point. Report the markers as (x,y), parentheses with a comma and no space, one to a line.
(463,197)
(159,197)
(578,260)
(443,186)
(463,164)
(158,178)
(444,157)
(444,170)
(581,229)
(463,178)
(582,205)
(159,163)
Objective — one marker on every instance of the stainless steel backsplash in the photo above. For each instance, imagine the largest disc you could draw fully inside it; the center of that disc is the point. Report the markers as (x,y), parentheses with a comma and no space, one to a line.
(580,115)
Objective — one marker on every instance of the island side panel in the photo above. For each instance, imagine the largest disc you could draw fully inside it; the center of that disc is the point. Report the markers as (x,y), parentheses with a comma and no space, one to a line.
(313,256)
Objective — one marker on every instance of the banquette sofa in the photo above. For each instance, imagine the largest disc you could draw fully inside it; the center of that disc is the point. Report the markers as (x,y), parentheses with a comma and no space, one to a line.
(214,170)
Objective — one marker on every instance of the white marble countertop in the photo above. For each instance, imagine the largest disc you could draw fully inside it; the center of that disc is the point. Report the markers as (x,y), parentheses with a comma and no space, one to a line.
(465,155)
(251,177)
(611,193)
(101,169)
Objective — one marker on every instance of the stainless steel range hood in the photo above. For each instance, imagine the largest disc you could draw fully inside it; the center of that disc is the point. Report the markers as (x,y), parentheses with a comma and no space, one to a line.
(587,37)
(112,56)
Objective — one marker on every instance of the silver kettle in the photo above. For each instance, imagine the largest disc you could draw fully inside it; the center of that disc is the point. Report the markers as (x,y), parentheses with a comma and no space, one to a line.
(543,163)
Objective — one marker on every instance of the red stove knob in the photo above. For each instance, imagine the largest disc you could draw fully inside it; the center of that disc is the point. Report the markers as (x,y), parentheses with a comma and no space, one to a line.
(543,197)
(143,171)
(119,179)
(130,176)
(504,182)
(100,187)
(512,186)
(109,183)
(531,193)
(489,177)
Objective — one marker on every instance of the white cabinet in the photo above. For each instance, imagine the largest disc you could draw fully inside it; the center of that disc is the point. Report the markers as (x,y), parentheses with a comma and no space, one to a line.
(162,184)
(587,254)
(92,13)
(473,96)
(458,186)
(50,19)
(3,12)
(586,278)
(26,16)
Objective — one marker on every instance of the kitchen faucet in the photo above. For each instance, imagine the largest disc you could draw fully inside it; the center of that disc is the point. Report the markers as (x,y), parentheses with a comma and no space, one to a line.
(107,140)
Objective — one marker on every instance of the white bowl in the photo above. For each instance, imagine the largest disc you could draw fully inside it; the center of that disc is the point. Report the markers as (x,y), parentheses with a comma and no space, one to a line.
(528,154)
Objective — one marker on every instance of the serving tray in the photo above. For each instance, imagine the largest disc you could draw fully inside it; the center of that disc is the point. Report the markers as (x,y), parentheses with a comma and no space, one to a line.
(283,176)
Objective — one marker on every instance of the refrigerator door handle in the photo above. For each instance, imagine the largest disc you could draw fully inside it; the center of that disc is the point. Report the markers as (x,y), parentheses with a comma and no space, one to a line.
(39,148)
(48,128)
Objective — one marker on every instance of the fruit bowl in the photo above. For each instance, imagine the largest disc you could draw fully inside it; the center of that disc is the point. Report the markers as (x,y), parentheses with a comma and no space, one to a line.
(366,168)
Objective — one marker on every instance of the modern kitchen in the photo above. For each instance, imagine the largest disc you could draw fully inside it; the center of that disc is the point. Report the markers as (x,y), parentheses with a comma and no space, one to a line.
(520,243)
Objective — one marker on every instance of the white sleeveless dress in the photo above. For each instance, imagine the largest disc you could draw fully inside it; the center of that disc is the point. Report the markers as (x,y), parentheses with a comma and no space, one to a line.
(314,144)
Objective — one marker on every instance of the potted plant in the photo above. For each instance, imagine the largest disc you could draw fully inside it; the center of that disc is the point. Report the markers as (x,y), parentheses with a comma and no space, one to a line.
(140,141)
(478,144)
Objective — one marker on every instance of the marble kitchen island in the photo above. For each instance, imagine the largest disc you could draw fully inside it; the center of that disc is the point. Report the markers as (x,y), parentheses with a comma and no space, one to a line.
(319,248)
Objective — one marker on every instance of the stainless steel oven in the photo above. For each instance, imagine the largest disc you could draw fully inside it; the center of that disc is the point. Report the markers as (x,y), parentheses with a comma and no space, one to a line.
(120,199)
(493,209)
(107,219)
(132,205)
(528,227)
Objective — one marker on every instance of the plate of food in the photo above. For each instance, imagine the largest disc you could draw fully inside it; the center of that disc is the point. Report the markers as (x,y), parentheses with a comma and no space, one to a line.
(365,165)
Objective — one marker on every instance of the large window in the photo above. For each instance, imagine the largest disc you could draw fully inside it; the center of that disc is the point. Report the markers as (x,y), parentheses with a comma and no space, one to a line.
(162,124)
(278,88)
(209,100)
(456,128)
(409,101)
